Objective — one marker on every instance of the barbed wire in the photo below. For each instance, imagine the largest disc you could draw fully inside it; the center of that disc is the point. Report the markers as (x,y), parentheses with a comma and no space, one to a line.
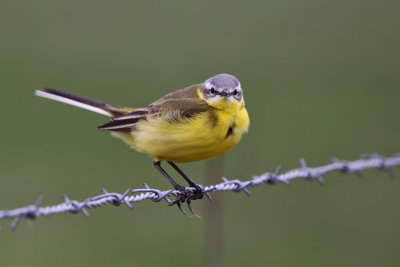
(366,161)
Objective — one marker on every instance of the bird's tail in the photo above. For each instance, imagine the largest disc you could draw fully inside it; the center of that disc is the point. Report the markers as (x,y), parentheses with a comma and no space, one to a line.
(83,102)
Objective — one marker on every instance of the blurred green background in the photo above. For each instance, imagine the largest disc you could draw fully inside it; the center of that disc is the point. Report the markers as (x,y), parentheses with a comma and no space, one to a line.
(320,79)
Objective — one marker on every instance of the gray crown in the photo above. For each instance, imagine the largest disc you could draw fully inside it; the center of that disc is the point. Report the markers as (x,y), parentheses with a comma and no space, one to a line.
(223,81)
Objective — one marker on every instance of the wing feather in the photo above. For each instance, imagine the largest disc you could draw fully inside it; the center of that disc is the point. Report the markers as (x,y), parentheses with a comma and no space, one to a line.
(178,106)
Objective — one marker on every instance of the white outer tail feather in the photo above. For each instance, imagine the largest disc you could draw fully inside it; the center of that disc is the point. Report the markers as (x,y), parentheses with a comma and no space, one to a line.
(72,102)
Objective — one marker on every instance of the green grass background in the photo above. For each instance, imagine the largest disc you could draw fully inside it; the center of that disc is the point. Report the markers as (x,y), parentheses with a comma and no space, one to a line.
(320,79)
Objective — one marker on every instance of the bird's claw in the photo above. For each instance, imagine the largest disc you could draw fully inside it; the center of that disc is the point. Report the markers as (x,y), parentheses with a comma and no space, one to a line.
(191,210)
(188,196)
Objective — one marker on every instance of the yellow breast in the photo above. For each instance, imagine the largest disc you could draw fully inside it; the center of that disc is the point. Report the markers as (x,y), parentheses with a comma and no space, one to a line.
(204,136)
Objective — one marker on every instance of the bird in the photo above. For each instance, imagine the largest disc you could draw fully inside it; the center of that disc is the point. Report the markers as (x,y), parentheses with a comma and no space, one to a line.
(195,123)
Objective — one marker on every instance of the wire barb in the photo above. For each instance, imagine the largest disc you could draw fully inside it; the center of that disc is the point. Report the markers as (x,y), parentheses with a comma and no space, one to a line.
(366,161)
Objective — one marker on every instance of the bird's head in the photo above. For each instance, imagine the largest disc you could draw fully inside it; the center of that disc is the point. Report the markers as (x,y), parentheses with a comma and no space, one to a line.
(222,91)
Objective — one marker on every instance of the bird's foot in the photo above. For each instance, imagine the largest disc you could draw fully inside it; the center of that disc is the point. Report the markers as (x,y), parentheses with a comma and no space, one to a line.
(187,196)
(180,198)
(198,193)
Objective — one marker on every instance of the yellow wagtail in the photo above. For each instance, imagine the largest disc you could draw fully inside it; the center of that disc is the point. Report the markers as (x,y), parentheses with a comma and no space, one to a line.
(195,123)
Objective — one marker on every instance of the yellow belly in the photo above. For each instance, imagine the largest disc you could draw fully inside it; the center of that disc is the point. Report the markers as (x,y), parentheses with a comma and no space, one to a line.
(193,139)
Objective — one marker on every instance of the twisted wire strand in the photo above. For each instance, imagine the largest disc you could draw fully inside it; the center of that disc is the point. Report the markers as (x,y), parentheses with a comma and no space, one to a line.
(366,161)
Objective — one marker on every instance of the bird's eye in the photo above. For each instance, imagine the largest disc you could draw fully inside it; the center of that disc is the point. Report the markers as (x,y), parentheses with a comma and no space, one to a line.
(235,92)
(212,90)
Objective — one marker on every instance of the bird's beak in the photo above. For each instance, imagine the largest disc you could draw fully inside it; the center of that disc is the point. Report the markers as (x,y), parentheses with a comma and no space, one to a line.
(224,92)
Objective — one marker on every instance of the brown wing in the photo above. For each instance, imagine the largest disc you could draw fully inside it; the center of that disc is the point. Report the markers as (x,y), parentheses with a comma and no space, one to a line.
(177,106)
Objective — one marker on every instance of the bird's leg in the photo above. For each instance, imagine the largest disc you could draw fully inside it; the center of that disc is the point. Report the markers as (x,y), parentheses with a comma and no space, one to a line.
(157,165)
(183,196)
(198,194)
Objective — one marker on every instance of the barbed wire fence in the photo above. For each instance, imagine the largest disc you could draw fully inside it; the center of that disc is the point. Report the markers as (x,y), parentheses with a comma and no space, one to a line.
(366,161)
